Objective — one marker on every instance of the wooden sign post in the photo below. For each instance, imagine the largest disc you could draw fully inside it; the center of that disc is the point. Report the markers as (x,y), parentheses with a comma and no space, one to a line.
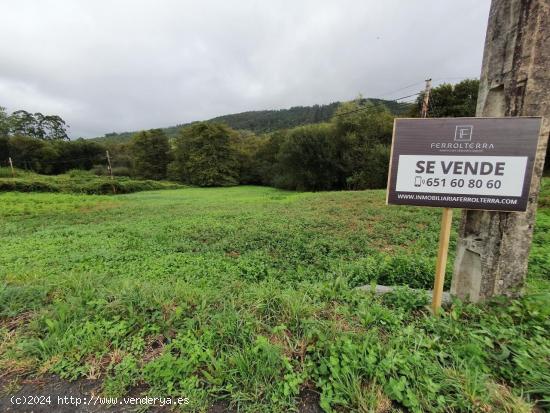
(468,163)
(441,264)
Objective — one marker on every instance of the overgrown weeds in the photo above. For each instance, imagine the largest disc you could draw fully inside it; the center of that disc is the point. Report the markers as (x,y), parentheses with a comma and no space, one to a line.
(247,295)
(77,181)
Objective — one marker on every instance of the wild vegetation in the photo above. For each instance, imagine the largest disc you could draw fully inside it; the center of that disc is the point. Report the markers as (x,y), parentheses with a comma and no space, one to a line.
(246,296)
(76,181)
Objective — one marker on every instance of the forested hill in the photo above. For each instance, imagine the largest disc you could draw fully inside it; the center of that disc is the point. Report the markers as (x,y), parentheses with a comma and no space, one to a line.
(263,121)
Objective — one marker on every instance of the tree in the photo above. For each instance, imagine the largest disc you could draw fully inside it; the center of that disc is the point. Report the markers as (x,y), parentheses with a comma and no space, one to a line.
(4,149)
(78,154)
(22,123)
(372,173)
(352,151)
(367,131)
(52,127)
(465,94)
(122,158)
(4,131)
(370,122)
(267,157)
(448,100)
(204,155)
(31,153)
(246,145)
(311,158)
(51,157)
(151,151)
(45,127)
(4,123)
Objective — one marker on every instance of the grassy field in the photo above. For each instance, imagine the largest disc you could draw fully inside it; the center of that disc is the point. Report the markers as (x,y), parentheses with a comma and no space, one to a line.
(246,295)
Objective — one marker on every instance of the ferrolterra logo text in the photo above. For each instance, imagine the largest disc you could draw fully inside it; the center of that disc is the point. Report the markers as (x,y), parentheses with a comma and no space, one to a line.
(463,142)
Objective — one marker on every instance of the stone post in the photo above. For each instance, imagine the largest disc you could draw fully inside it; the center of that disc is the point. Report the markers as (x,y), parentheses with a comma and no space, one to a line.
(493,247)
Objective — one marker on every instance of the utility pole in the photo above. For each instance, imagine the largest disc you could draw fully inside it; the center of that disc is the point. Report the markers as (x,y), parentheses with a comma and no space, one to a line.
(493,247)
(426,99)
(109,167)
(11,166)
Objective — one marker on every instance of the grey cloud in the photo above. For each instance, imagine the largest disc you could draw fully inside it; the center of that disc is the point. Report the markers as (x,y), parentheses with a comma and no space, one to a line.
(123,65)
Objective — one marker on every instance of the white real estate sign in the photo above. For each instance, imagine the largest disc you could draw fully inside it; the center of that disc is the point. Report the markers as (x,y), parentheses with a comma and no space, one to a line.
(474,163)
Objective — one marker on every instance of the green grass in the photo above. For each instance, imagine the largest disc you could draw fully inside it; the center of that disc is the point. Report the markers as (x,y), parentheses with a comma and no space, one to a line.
(76,181)
(245,294)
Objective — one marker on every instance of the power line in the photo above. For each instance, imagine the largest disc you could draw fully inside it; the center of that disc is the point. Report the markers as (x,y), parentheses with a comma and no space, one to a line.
(400,89)
(419,83)
(405,97)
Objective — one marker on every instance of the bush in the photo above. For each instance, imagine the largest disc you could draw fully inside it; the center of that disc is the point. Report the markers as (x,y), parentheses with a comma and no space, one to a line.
(80,174)
(78,181)
(21,185)
(99,170)
(6,172)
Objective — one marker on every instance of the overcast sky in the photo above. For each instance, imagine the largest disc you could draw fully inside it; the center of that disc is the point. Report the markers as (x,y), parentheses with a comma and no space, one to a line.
(122,65)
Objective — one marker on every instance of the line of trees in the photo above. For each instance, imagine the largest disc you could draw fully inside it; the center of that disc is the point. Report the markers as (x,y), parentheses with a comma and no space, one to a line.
(40,143)
(349,151)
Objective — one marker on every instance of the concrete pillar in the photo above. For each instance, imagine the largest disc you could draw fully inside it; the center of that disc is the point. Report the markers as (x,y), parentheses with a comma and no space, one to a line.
(493,247)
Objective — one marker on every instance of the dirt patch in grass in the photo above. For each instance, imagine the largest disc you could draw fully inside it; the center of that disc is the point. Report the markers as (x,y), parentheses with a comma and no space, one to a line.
(308,401)
(12,323)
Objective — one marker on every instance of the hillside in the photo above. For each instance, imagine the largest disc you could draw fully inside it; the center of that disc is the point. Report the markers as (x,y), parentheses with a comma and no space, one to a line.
(265,121)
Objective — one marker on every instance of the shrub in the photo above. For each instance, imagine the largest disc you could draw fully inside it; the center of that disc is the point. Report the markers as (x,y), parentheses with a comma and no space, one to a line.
(21,185)
(122,171)
(78,181)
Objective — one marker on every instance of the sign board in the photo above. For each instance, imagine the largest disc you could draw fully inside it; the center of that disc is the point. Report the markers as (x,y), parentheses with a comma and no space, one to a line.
(471,163)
